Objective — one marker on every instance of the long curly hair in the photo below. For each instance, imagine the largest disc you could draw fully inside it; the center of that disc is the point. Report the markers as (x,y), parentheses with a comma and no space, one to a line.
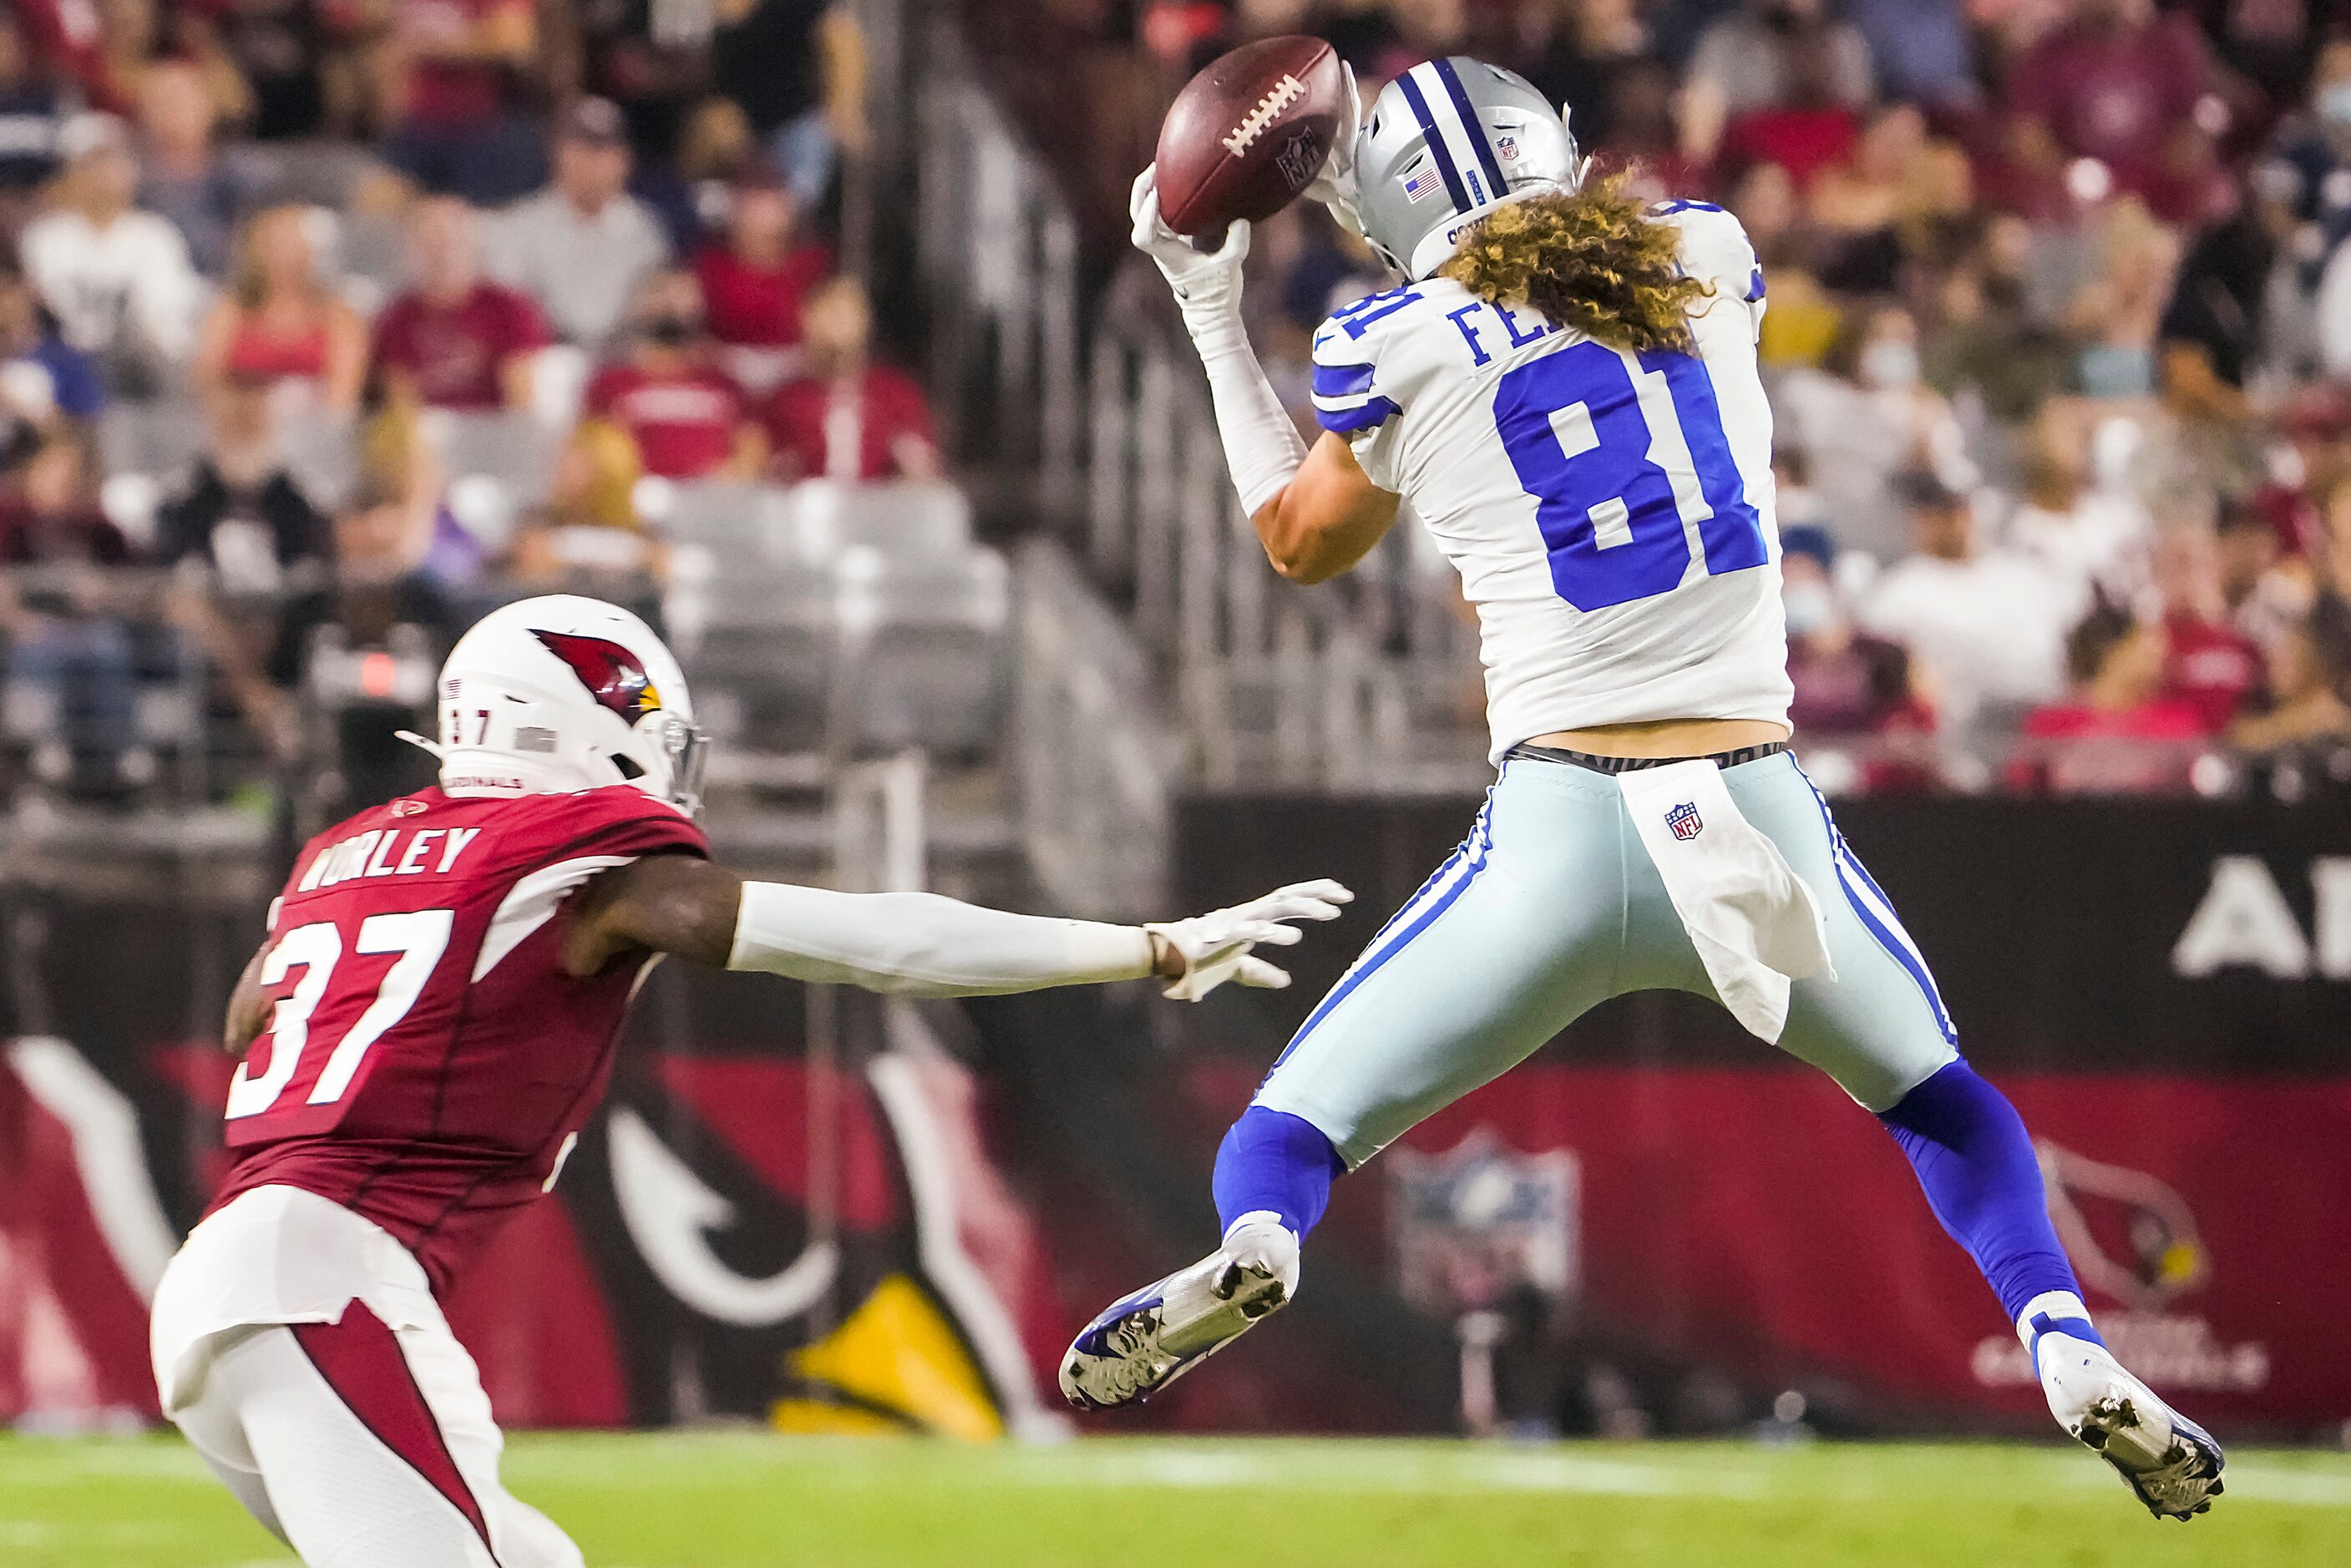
(1592,260)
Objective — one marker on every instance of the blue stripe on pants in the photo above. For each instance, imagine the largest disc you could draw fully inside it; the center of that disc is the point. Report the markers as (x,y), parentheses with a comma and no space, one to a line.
(1852,877)
(1474,849)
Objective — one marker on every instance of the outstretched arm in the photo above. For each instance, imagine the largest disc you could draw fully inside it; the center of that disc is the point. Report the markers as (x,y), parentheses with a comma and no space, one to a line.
(916,943)
(1315,510)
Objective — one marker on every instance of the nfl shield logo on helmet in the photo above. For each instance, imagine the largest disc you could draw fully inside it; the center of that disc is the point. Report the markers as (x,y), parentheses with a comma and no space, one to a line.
(1507,148)
(1683,819)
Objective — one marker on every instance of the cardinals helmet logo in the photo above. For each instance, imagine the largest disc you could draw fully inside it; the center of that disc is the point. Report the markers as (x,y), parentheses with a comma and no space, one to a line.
(611,672)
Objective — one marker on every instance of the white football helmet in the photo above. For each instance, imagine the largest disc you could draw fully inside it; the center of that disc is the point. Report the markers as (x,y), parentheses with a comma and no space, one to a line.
(1449,141)
(560,693)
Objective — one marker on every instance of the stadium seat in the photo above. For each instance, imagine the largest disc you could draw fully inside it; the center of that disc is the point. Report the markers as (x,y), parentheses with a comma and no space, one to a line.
(909,520)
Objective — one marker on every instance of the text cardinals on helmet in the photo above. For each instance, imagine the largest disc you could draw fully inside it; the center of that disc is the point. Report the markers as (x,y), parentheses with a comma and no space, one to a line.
(560,693)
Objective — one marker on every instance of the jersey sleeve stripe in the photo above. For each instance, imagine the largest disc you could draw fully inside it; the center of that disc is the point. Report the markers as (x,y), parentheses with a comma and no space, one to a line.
(1342,380)
(1362,416)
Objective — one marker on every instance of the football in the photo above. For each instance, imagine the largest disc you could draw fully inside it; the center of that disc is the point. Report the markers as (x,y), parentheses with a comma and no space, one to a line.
(1248,133)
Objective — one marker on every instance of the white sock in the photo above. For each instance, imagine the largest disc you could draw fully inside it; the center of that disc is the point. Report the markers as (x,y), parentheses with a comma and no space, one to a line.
(2053,1304)
(1259,1240)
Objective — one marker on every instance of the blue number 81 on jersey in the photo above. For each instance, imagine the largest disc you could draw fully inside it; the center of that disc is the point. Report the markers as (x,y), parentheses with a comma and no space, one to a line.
(1612,515)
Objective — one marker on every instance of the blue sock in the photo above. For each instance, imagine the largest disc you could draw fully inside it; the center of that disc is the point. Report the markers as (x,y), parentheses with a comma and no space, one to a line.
(1975,1160)
(1273,1160)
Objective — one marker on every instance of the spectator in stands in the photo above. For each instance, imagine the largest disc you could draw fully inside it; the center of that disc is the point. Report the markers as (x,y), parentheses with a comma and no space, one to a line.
(2305,707)
(33,113)
(714,149)
(1988,343)
(798,67)
(1847,682)
(2304,178)
(1899,194)
(281,325)
(2208,664)
(1918,50)
(136,36)
(464,127)
(589,538)
(2114,674)
(183,175)
(2216,322)
(239,525)
(2094,539)
(49,515)
(850,418)
(344,644)
(283,50)
(689,418)
(1771,54)
(455,340)
(117,278)
(581,246)
(1863,416)
(757,279)
(70,673)
(397,461)
(1581,54)
(1987,629)
(44,380)
(651,60)
(2116,316)
(2120,83)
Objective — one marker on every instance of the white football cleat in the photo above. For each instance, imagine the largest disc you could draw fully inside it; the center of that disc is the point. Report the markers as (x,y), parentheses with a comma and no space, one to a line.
(1144,1342)
(2169,1461)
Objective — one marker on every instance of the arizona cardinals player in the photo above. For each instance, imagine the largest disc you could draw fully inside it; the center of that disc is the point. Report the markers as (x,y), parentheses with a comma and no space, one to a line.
(431,1021)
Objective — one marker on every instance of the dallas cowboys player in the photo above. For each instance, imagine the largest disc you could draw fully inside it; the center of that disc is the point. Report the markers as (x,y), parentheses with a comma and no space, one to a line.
(1566,387)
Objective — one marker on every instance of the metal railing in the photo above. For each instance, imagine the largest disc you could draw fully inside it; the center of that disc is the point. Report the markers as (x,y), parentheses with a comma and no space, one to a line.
(1112,445)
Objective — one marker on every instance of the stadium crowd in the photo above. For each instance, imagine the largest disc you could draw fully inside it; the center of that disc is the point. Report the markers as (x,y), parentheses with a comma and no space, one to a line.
(324,325)
(2059,337)
(321,322)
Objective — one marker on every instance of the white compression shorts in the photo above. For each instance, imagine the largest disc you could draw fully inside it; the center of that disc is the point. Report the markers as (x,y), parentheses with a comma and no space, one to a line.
(359,1443)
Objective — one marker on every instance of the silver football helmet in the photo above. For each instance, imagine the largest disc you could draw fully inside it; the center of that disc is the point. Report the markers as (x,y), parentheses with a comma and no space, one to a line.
(1449,141)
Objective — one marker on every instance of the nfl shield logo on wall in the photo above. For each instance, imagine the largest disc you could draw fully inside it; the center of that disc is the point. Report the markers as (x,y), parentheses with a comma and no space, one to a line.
(1683,820)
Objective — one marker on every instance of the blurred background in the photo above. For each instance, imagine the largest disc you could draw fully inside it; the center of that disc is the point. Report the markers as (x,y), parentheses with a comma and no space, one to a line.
(809,330)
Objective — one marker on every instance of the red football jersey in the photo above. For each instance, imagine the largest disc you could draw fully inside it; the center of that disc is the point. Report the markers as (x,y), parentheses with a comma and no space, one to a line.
(428,1062)
(683,420)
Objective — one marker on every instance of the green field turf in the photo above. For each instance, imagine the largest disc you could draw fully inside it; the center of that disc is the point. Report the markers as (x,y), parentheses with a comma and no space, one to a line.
(735,1500)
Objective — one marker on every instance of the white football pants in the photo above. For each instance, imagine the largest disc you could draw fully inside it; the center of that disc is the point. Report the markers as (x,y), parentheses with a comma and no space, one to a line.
(359,1444)
(312,1467)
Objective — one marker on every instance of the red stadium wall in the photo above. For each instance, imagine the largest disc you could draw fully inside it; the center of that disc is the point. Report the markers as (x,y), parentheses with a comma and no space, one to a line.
(2162,989)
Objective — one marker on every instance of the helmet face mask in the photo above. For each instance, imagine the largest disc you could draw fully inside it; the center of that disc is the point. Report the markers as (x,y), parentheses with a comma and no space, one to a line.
(1448,142)
(562,693)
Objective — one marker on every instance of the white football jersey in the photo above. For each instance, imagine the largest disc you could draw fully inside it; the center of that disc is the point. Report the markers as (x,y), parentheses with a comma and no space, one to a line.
(1610,513)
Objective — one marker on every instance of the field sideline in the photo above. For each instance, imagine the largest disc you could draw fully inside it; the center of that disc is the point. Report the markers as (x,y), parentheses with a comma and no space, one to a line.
(742,1499)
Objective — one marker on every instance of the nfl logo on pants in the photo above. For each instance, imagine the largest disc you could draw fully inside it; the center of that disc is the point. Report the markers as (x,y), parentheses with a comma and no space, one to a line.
(1683,819)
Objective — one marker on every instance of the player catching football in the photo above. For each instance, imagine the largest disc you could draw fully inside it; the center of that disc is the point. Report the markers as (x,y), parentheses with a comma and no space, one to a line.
(430,1023)
(1565,386)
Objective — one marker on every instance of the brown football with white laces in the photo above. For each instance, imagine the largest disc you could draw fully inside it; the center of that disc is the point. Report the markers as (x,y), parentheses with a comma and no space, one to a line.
(1248,133)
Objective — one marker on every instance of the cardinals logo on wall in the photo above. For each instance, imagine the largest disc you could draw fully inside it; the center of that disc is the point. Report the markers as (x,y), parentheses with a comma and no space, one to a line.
(2133,1240)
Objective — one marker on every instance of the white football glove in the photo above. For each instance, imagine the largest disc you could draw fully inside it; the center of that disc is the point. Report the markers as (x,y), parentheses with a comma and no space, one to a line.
(1216,946)
(1335,187)
(1208,283)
